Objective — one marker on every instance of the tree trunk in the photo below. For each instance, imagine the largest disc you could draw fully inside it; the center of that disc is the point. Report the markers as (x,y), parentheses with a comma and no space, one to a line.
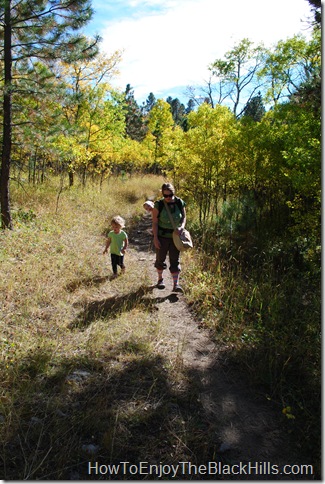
(71,178)
(6,221)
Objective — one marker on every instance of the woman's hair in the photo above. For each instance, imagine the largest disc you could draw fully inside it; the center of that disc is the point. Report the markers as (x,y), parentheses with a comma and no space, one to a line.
(118,220)
(168,186)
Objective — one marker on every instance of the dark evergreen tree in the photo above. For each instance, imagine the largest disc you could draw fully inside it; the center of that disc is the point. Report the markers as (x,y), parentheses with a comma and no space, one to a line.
(29,30)
(149,104)
(309,93)
(177,110)
(190,106)
(136,127)
(316,6)
(255,108)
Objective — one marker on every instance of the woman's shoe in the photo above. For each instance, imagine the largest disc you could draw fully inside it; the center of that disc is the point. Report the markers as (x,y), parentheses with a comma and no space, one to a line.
(161,284)
(177,288)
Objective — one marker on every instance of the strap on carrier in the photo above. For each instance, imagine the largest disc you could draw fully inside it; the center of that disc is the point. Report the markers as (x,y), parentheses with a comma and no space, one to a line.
(165,231)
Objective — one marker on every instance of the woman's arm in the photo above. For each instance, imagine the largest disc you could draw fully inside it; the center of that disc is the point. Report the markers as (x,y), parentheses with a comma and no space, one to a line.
(183,222)
(155,222)
(183,219)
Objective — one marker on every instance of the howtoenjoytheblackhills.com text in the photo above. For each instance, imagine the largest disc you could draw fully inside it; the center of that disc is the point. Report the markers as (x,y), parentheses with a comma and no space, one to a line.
(144,470)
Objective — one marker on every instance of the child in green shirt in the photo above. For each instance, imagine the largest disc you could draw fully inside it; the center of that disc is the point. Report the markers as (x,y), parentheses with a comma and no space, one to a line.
(117,241)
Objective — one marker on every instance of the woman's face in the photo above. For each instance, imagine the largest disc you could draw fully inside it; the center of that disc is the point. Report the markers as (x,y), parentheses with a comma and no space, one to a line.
(168,196)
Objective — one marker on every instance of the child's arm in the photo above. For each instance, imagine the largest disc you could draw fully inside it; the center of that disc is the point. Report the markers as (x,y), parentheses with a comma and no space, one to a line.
(125,245)
(108,243)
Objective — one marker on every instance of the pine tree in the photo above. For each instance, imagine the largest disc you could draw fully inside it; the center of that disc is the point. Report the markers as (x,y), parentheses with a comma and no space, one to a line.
(255,108)
(136,127)
(190,106)
(32,29)
(177,110)
(149,104)
(316,6)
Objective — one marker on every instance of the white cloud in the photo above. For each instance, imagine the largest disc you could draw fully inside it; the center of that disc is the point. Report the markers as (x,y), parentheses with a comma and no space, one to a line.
(173,44)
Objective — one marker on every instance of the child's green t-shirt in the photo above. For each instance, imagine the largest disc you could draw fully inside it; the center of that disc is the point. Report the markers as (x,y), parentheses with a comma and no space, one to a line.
(117,241)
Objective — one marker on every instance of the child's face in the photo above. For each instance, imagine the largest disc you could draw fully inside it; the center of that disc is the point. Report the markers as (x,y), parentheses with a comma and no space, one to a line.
(148,208)
(116,228)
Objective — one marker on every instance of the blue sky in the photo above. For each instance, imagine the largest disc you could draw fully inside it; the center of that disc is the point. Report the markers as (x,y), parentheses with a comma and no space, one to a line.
(168,44)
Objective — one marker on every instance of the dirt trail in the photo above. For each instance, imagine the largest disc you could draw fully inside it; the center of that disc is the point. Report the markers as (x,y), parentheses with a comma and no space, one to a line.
(246,426)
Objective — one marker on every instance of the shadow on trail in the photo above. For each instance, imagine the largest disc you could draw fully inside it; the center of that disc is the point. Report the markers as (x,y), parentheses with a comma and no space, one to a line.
(172,298)
(87,281)
(112,307)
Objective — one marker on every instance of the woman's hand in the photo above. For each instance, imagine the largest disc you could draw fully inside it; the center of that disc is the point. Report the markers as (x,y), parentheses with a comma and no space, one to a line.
(156,243)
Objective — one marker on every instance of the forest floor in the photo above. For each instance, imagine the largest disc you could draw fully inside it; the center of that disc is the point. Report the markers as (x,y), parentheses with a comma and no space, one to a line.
(241,424)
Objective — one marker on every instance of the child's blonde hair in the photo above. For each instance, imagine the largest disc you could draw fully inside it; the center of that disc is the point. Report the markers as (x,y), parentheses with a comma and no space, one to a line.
(118,220)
